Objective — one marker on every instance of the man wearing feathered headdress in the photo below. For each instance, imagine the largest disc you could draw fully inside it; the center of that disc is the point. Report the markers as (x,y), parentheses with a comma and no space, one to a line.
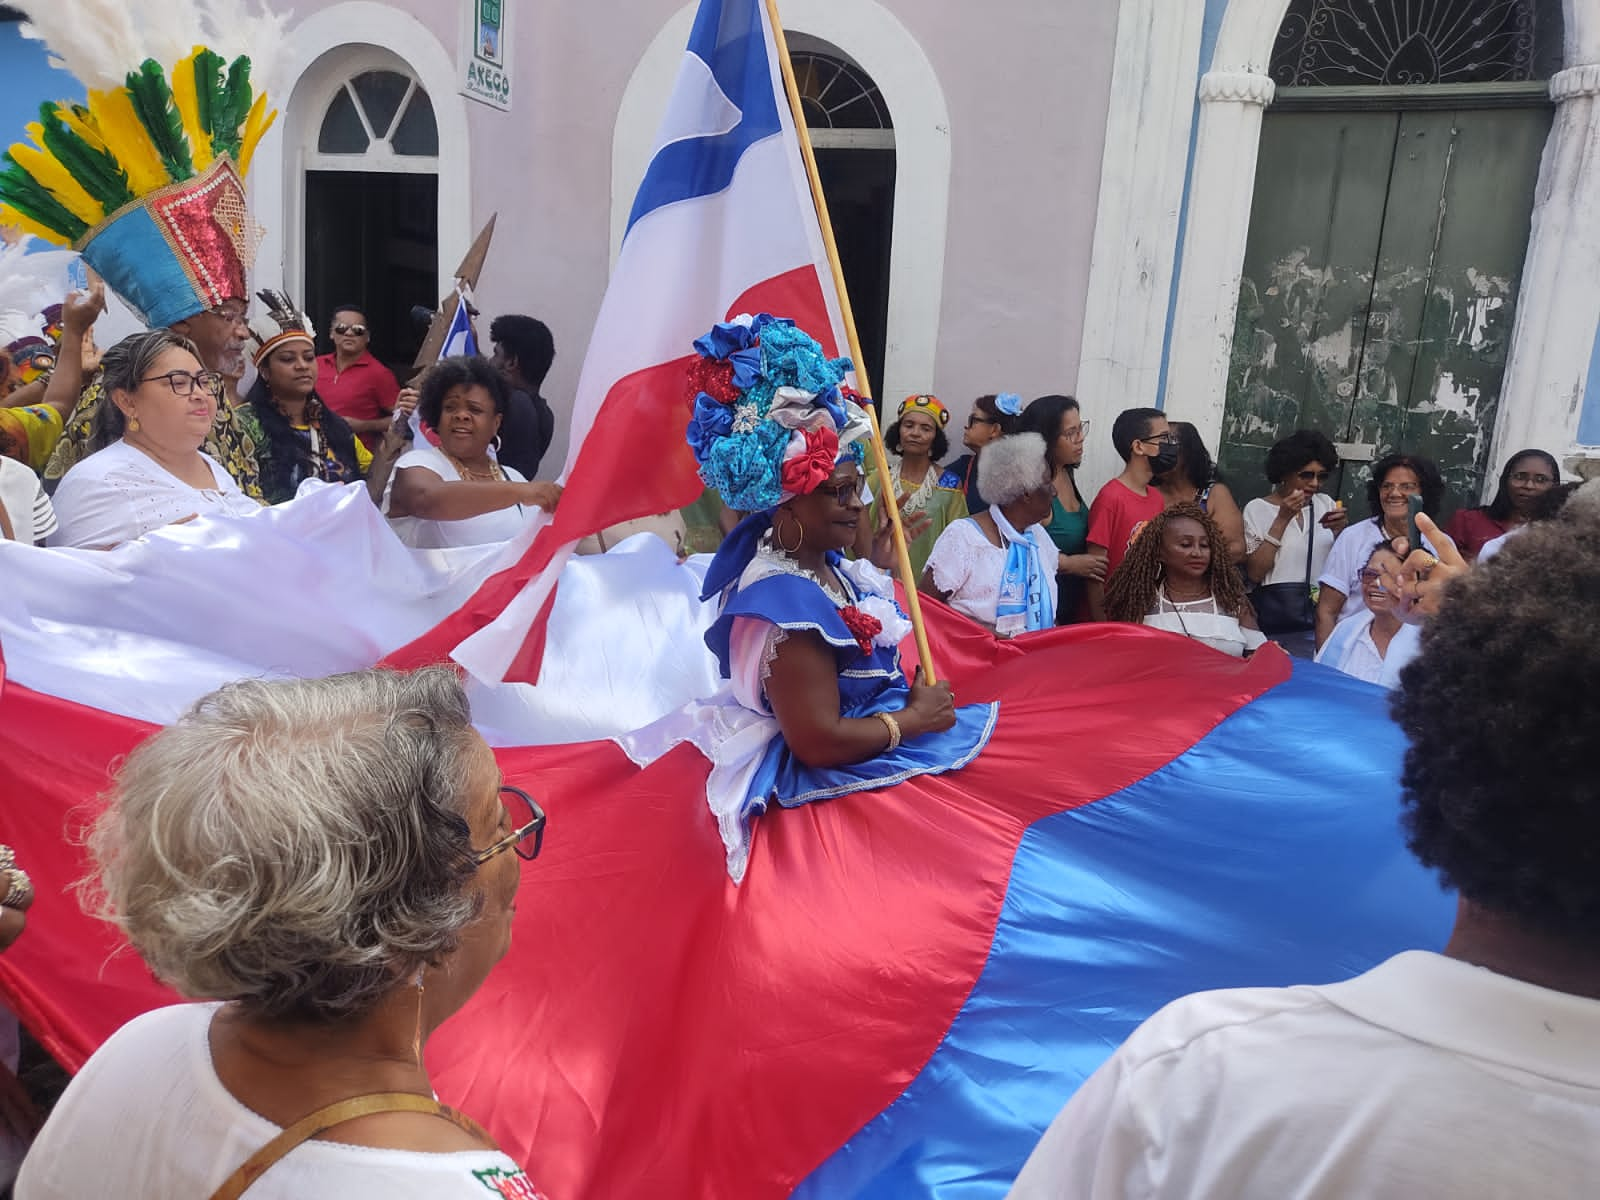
(146,177)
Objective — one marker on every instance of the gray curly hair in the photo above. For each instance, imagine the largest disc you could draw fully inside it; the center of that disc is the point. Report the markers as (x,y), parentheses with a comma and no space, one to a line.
(1011,467)
(298,847)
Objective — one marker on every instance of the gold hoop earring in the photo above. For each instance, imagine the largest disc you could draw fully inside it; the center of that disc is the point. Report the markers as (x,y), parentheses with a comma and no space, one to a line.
(798,542)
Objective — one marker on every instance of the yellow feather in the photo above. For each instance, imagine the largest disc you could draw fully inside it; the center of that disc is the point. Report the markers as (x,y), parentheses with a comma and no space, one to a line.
(185,94)
(125,137)
(84,129)
(10,216)
(257,124)
(56,179)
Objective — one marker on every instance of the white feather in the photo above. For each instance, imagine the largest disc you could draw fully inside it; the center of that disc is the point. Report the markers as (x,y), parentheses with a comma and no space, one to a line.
(101,41)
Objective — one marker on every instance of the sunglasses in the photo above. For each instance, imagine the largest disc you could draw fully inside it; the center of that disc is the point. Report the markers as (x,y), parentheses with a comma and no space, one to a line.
(975,419)
(351,330)
(1313,476)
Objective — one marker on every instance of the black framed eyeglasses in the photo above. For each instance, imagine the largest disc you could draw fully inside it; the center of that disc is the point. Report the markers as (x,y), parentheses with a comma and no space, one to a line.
(1165,439)
(527,827)
(183,383)
(979,419)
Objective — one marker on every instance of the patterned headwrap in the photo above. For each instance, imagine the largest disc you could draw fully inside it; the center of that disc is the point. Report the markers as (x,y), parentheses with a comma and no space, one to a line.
(931,405)
(772,417)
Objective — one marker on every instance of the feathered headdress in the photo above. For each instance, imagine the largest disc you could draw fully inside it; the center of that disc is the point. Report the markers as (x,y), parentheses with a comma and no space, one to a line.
(772,417)
(282,322)
(146,178)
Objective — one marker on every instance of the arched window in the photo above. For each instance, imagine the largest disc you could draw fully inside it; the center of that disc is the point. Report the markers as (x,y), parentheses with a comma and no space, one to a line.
(836,94)
(1404,43)
(379,114)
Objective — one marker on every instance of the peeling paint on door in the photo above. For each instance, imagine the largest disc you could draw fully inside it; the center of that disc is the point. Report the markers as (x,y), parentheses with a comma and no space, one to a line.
(1380,286)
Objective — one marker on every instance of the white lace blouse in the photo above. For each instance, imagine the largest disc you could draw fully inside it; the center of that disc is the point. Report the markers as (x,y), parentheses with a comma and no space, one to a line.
(968,566)
(1202,621)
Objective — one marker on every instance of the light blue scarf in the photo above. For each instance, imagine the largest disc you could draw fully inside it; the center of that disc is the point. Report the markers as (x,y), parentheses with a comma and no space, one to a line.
(1024,591)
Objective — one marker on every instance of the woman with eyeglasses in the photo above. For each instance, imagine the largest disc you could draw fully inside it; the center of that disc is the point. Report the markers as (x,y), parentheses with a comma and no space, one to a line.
(1526,478)
(352,381)
(1059,422)
(327,869)
(993,416)
(145,468)
(1277,525)
(1359,645)
(1395,479)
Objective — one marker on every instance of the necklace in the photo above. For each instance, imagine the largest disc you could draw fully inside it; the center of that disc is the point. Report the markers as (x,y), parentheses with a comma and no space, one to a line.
(917,500)
(493,474)
(782,563)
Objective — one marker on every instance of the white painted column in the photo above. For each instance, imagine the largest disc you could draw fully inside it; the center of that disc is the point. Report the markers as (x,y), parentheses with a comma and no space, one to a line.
(1136,229)
(1220,198)
(1558,310)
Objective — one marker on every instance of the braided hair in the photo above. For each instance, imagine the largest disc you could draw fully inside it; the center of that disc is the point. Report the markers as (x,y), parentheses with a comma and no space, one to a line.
(286,458)
(1131,591)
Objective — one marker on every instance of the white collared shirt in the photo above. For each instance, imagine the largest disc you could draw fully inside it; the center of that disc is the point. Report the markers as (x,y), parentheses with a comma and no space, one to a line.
(1424,1078)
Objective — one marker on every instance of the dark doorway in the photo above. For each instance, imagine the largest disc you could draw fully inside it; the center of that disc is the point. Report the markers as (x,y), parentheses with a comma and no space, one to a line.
(372,238)
(859,185)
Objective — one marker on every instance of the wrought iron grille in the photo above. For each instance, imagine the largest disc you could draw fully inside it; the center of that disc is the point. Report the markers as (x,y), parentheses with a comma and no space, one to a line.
(1393,43)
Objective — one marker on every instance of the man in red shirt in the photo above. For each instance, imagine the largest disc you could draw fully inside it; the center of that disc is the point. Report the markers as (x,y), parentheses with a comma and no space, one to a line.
(352,382)
(1127,502)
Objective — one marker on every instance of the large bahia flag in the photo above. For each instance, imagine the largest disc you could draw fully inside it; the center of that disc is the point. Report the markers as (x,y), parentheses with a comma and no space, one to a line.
(723,224)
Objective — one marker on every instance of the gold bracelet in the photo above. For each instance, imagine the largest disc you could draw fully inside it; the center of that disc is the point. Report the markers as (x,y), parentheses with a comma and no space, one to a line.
(894,732)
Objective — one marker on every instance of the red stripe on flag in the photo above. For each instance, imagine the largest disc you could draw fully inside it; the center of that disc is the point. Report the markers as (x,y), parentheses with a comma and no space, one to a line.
(634,462)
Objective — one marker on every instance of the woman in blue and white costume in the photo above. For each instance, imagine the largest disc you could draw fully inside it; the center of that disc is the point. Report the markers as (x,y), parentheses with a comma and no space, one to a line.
(815,705)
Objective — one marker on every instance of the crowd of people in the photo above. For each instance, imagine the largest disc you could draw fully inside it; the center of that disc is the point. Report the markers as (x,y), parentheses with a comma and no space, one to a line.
(105,447)
(100,447)
(337,996)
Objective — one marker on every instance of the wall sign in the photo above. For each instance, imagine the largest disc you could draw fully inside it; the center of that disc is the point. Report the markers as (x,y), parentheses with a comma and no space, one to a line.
(486,53)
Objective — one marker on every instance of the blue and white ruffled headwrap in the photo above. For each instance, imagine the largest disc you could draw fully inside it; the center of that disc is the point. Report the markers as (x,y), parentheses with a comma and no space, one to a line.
(769,404)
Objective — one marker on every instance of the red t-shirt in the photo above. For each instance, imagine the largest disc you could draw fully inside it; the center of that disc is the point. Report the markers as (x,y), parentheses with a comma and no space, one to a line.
(1116,517)
(1471,528)
(364,391)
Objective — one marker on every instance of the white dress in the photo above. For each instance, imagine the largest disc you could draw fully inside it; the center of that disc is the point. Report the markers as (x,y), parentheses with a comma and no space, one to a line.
(968,566)
(1290,565)
(483,530)
(121,493)
(1201,621)
(148,1119)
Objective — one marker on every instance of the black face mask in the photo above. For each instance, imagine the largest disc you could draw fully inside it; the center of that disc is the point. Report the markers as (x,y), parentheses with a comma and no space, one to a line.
(1166,459)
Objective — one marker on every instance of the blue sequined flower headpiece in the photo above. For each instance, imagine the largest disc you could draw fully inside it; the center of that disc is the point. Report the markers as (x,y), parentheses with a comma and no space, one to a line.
(772,416)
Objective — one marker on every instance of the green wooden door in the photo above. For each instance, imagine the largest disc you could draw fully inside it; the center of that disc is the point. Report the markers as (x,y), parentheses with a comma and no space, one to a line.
(1380,286)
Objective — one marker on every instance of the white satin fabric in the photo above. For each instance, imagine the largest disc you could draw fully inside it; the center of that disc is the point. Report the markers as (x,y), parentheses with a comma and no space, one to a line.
(321,585)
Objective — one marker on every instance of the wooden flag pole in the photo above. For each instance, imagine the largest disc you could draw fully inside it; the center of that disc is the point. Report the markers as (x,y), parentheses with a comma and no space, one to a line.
(879,453)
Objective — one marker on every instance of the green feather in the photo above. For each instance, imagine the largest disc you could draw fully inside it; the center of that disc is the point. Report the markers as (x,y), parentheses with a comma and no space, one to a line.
(236,107)
(23,193)
(152,101)
(99,173)
(209,97)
